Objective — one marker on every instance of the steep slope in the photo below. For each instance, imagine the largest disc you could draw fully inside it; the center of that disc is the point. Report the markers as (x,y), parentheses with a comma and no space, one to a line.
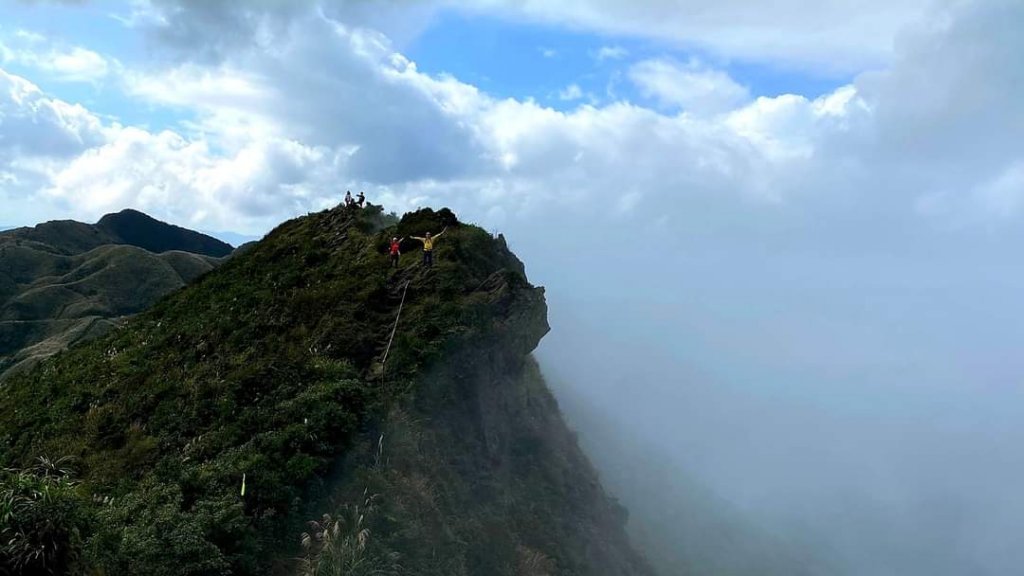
(208,430)
(64,281)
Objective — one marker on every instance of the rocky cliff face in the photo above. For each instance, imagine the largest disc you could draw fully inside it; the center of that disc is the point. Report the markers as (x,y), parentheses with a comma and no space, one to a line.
(478,474)
(210,431)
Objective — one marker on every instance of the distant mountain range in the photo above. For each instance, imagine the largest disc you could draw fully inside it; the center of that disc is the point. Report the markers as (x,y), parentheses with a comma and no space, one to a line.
(129,227)
(64,281)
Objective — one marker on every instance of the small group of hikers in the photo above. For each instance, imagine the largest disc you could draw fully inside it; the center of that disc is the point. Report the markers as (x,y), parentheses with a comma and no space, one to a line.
(395,251)
(350,201)
(428,248)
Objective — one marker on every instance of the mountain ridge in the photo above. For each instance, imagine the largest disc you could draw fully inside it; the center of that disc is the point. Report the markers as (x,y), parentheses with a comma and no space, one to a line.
(65,281)
(208,431)
(127,226)
(136,228)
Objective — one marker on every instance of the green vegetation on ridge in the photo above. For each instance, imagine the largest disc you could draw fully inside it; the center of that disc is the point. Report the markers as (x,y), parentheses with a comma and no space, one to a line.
(268,367)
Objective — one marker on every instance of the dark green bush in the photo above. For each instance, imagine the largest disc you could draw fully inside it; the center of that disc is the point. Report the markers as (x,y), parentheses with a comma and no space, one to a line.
(42,521)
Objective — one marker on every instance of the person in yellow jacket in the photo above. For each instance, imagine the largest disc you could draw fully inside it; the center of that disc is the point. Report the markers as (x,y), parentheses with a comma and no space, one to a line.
(428,247)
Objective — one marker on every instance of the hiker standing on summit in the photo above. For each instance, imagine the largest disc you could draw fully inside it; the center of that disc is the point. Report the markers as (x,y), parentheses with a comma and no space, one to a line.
(348,199)
(428,247)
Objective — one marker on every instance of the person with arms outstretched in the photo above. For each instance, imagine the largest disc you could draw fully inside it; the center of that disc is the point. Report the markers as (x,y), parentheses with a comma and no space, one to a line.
(361,199)
(395,251)
(428,247)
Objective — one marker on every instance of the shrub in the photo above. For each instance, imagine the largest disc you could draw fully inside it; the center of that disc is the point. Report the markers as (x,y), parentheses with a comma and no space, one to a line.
(42,522)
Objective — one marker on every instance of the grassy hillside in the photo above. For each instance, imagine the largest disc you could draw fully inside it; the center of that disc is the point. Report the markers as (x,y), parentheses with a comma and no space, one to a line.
(205,434)
(64,299)
(62,282)
(125,227)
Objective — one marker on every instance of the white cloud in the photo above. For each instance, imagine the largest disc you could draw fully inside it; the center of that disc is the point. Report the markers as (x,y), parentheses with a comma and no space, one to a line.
(65,157)
(610,53)
(987,204)
(548,52)
(182,179)
(29,36)
(843,36)
(55,60)
(834,35)
(359,111)
(38,135)
(139,13)
(360,95)
(693,86)
(34,125)
(75,65)
(230,101)
(570,93)
(1004,195)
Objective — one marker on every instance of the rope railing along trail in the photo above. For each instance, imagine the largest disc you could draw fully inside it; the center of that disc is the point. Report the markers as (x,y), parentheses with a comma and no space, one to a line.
(384,359)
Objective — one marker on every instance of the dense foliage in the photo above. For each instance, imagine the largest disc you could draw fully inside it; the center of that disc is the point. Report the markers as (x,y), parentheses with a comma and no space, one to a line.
(41,520)
(206,430)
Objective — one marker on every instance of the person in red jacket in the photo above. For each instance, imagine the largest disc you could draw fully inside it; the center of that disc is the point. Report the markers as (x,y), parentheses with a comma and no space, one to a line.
(396,250)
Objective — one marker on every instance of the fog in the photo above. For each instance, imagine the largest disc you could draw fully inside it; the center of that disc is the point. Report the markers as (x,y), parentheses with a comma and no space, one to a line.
(851,405)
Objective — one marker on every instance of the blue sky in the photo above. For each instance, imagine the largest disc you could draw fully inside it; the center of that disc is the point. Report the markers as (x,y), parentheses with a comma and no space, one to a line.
(506,58)
(529,60)
(95,27)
